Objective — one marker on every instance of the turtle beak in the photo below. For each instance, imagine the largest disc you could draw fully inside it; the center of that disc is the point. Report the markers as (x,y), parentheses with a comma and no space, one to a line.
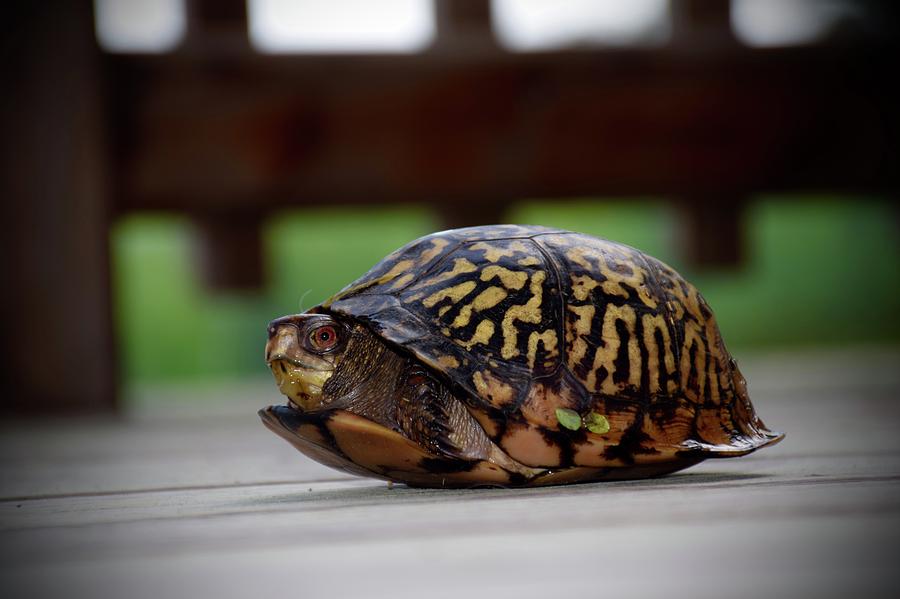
(282,344)
(283,338)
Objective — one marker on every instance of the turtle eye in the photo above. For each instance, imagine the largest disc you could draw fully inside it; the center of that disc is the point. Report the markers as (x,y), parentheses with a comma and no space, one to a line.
(323,338)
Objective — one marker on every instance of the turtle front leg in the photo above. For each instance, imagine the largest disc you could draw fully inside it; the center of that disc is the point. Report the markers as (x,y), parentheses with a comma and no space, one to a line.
(431,416)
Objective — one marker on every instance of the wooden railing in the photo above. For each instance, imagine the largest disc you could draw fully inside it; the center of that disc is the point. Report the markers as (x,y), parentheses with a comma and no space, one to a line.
(226,135)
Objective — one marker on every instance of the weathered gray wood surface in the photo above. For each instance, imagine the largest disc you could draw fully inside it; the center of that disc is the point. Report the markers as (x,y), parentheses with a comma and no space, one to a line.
(195,498)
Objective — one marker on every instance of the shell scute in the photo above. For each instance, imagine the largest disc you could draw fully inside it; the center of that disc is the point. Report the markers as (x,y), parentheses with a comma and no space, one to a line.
(494,302)
(619,338)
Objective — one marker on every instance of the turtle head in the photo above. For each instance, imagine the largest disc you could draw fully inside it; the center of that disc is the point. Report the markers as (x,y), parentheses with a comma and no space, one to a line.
(302,351)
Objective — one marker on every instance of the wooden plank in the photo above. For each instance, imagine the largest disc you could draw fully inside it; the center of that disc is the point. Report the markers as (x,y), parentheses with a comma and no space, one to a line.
(447,127)
(826,539)
(792,479)
(186,500)
(210,435)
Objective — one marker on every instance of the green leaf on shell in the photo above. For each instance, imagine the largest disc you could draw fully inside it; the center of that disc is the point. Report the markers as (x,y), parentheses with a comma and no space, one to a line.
(596,423)
(568,418)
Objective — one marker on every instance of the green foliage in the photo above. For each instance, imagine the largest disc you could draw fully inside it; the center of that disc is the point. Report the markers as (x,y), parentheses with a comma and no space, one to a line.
(819,271)
(596,423)
(172,328)
(568,418)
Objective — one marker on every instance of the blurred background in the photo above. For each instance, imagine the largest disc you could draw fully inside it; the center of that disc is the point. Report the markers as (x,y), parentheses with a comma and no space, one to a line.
(179,172)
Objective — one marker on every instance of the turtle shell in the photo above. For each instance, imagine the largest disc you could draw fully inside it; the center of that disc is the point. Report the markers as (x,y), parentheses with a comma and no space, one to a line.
(528,323)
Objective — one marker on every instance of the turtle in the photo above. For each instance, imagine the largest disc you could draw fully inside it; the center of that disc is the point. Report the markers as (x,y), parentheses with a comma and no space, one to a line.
(511,355)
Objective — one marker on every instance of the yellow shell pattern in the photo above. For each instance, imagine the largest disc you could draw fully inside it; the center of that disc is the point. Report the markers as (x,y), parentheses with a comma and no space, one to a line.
(527,321)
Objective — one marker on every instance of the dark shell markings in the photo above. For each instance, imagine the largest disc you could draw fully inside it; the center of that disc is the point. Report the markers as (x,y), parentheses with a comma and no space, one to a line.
(576,358)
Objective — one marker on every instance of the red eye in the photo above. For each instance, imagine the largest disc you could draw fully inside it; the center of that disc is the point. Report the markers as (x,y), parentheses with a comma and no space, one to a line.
(323,338)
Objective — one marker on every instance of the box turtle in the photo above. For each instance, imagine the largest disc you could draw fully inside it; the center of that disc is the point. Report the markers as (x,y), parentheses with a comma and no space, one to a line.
(511,355)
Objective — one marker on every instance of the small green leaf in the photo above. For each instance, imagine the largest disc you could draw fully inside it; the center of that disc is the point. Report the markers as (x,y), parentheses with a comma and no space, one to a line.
(568,418)
(596,423)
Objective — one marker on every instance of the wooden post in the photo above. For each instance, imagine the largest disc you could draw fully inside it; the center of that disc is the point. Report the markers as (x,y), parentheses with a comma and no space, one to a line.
(464,26)
(712,230)
(228,243)
(704,25)
(57,344)
(217,28)
(229,246)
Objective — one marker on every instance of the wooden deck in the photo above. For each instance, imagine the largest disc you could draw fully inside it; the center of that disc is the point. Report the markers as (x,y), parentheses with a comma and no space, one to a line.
(195,498)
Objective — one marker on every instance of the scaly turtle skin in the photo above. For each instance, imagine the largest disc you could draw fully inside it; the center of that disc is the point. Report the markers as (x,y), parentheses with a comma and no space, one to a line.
(511,355)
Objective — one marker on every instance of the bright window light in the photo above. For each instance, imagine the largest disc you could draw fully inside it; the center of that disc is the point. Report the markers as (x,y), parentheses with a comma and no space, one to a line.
(146,26)
(764,23)
(532,25)
(341,26)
